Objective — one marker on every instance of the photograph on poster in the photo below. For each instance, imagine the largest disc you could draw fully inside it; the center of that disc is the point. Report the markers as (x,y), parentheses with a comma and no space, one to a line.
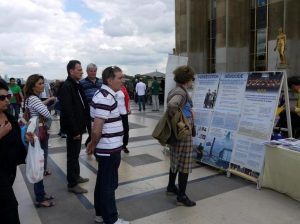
(264,82)
(205,91)
(218,147)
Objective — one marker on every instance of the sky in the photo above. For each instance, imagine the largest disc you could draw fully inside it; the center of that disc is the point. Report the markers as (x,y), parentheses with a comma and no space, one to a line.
(38,36)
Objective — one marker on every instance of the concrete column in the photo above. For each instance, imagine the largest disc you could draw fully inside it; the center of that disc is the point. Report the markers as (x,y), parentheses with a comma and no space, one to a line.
(197,34)
(181,27)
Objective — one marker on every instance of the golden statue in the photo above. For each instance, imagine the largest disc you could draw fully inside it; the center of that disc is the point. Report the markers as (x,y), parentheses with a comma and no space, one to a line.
(281,46)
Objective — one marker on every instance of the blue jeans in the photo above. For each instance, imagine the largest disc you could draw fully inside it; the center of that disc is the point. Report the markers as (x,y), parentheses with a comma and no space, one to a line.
(38,187)
(141,99)
(106,184)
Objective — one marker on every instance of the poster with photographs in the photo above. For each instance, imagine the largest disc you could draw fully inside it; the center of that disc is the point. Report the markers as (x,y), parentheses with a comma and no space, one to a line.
(205,91)
(204,98)
(257,120)
(224,123)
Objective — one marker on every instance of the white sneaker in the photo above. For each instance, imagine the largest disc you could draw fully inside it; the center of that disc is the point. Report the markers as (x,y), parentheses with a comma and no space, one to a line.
(121,221)
(98,219)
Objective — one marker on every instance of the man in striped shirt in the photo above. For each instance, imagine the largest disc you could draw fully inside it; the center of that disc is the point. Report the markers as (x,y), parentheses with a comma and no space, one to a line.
(106,143)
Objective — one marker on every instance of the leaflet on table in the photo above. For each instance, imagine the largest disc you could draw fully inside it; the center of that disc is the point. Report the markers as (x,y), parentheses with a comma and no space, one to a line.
(205,91)
(231,92)
(257,119)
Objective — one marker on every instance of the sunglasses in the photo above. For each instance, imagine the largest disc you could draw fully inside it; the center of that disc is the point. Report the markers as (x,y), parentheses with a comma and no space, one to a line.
(3,97)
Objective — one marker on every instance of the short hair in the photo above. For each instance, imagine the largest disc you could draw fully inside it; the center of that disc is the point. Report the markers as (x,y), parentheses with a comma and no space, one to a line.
(12,79)
(294,80)
(91,66)
(3,85)
(109,73)
(30,83)
(71,65)
(183,74)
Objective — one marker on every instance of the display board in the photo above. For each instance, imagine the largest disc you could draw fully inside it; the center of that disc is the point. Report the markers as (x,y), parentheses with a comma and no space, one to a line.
(230,131)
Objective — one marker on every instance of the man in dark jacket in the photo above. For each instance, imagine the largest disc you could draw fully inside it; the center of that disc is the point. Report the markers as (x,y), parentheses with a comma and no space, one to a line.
(74,121)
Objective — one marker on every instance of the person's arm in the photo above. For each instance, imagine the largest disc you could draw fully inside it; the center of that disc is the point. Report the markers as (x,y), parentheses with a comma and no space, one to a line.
(95,135)
(52,98)
(173,104)
(37,105)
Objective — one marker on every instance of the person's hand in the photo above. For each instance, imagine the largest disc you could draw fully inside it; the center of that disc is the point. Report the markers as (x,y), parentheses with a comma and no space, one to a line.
(52,98)
(29,136)
(129,111)
(90,148)
(5,129)
(77,137)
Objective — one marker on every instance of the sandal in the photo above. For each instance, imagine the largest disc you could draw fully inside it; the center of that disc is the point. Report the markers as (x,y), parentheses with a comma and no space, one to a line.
(44,204)
(48,197)
(47,173)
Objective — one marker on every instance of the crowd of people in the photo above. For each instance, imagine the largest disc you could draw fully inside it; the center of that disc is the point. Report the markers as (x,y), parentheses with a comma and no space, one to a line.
(99,107)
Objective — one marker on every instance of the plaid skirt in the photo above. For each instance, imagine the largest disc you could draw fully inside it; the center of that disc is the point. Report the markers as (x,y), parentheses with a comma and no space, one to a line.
(181,156)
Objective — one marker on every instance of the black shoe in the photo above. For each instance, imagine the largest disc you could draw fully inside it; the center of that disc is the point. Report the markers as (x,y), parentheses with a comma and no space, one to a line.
(185,201)
(172,190)
(126,150)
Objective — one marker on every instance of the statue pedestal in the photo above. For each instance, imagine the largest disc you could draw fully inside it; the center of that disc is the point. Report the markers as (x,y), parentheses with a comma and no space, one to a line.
(282,66)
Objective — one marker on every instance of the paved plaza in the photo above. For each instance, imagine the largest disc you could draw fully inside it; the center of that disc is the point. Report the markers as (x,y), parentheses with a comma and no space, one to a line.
(141,198)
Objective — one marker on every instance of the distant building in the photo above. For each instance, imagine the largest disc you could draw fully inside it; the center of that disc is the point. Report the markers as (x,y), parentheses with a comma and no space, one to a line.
(237,35)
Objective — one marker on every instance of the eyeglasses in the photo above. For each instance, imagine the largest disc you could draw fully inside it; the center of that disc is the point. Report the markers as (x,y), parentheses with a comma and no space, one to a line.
(3,97)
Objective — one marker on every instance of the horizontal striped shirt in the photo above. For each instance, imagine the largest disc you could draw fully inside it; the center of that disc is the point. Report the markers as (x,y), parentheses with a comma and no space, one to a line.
(37,107)
(105,106)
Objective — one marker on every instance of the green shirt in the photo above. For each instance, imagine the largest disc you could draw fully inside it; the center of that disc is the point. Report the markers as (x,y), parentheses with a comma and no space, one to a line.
(14,89)
(155,88)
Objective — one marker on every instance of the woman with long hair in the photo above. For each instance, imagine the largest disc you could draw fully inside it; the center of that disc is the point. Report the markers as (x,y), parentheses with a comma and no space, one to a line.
(32,89)
(12,153)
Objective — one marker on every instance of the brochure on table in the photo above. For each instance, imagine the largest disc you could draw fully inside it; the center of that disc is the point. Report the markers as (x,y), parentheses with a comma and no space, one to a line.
(235,127)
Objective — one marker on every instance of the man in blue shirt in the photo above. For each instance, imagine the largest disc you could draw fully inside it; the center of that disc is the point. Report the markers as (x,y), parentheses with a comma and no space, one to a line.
(91,83)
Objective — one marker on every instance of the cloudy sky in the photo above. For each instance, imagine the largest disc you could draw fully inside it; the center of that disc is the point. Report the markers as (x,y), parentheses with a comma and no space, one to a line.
(38,36)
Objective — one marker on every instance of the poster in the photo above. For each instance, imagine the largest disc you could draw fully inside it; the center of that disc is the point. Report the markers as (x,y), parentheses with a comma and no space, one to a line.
(225,120)
(257,121)
(205,91)
(204,98)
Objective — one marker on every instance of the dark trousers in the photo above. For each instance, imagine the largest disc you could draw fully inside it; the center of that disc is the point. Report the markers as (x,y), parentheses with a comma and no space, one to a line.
(141,100)
(106,184)
(126,130)
(39,189)
(73,168)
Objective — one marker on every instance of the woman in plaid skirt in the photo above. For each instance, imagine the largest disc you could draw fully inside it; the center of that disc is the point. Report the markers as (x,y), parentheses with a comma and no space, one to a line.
(181,151)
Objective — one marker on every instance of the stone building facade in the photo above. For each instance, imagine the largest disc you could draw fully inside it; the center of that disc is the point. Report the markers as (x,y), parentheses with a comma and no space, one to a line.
(237,35)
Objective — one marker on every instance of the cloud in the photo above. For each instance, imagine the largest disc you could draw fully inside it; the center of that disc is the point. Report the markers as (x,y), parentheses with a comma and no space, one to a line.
(39,36)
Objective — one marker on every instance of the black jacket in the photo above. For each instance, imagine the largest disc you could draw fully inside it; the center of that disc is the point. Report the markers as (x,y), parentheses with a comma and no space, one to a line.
(12,153)
(75,111)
